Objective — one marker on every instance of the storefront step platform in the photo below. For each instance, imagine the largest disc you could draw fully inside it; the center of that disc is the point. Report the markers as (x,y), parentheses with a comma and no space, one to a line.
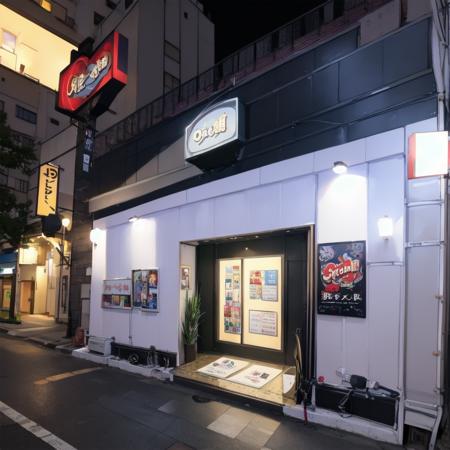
(268,397)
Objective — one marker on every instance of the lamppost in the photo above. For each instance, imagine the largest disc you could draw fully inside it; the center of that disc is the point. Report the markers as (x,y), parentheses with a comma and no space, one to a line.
(65,224)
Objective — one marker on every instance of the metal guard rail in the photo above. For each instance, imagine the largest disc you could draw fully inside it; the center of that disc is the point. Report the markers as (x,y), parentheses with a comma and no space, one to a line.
(323,21)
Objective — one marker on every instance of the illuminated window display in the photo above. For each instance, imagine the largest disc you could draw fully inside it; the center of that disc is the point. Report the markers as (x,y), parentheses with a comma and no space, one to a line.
(250,301)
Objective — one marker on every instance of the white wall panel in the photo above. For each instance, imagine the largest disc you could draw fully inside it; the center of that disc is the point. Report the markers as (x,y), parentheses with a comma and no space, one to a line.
(423,189)
(422,323)
(197,220)
(385,144)
(424,223)
(420,127)
(384,290)
(298,201)
(230,214)
(161,329)
(118,256)
(342,206)
(386,197)
(288,168)
(263,207)
(351,153)
(356,344)
(329,347)
(224,186)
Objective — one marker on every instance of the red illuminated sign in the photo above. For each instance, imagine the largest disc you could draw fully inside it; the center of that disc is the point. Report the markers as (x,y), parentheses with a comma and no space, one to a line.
(104,73)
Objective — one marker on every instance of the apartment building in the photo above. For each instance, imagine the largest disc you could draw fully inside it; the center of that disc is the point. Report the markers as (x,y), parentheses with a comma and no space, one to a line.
(169,41)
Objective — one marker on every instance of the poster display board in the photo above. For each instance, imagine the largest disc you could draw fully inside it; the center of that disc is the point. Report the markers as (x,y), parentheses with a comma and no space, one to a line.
(255,376)
(223,367)
(263,285)
(230,304)
(341,286)
(117,293)
(145,289)
(262,299)
(263,322)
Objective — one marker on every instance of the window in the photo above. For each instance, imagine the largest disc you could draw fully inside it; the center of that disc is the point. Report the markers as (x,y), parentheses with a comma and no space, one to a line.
(9,41)
(170,82)
(46,4)
(98,18)
(2,106)
(22,139)
(21,185)
(26,114)
(171,51)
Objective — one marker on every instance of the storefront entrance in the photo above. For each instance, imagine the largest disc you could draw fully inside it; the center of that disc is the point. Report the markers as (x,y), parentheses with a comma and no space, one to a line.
(254,292)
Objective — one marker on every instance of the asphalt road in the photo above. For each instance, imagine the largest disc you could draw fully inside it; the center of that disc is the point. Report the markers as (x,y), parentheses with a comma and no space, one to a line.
(48,400)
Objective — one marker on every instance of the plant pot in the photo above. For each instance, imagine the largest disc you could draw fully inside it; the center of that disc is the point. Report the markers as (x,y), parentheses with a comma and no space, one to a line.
(190,352)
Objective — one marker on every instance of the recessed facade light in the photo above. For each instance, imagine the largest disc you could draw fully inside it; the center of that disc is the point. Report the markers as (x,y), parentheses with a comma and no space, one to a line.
(133,219)
(339,167)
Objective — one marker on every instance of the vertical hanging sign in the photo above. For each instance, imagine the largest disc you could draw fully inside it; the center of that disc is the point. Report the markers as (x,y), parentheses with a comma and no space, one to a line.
(47,195)
(88,149)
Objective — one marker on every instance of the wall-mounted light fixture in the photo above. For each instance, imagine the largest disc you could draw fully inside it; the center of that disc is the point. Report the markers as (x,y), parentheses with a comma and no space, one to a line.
(339,167)
(133,219)
(65,222)
(94,235)
(385,227)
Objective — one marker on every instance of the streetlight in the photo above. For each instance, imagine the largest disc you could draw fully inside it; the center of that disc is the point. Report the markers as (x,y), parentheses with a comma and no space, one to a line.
(65,224)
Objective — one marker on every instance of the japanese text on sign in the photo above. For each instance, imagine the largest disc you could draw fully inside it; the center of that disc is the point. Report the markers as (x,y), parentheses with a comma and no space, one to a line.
(48,190)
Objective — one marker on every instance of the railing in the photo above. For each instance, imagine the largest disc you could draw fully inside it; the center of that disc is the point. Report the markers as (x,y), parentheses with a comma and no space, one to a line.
(322,22)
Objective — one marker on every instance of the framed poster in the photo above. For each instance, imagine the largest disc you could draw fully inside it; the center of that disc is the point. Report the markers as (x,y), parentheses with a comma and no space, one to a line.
(146,289)
(341,286)
(264,285)
(116,293)
(263,322)
(230,304)
(185,278)
(262,295)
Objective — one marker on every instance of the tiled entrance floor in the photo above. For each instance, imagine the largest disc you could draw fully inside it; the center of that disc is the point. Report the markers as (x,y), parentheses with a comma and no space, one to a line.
(272,392)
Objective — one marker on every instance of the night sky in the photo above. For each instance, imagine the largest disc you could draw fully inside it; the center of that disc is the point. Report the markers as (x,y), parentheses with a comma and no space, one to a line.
(239,22)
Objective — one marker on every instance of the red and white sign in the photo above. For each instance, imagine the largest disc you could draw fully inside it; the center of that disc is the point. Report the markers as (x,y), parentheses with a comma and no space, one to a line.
(428,154)
(86,77)
(120,286)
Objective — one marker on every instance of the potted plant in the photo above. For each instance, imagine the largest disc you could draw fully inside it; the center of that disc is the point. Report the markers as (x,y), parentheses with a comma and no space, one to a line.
(192,316)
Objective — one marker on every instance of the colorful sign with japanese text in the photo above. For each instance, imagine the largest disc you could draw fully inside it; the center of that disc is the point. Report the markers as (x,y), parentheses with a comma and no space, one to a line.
(85,77)
(47,195)
(116,293)
(342,279)
(145,289)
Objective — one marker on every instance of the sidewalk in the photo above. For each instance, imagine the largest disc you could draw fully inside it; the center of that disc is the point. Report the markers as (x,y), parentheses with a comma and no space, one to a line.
(40,329)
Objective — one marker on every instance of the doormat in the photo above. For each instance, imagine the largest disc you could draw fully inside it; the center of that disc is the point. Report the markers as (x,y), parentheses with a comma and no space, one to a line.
(223,367)
(255,376)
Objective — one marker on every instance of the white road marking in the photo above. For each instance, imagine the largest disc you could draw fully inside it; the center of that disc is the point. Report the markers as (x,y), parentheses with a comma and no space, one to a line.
(63,376)
(34,428)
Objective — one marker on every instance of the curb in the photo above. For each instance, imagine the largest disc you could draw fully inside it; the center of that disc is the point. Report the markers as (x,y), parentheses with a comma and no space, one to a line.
(63,348)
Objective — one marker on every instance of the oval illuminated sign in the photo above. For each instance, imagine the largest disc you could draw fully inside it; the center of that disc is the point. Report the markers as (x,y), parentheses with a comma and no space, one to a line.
(213,128)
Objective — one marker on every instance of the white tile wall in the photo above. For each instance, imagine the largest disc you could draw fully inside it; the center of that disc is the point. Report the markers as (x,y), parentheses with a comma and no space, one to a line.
(291,193)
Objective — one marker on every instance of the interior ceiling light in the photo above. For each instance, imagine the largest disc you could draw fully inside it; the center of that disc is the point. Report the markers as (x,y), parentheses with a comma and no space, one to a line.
(339,167)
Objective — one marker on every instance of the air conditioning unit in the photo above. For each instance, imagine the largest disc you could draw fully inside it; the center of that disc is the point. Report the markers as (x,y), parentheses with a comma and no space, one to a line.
(100,345)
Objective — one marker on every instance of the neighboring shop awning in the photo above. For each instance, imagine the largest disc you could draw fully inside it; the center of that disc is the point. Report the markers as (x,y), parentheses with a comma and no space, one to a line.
(7,262)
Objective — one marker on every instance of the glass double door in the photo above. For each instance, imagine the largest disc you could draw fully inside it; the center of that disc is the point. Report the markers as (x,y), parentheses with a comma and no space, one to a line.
(250,302)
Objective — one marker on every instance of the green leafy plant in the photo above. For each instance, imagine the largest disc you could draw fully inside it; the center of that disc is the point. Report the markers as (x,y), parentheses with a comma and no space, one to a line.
(192,316)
